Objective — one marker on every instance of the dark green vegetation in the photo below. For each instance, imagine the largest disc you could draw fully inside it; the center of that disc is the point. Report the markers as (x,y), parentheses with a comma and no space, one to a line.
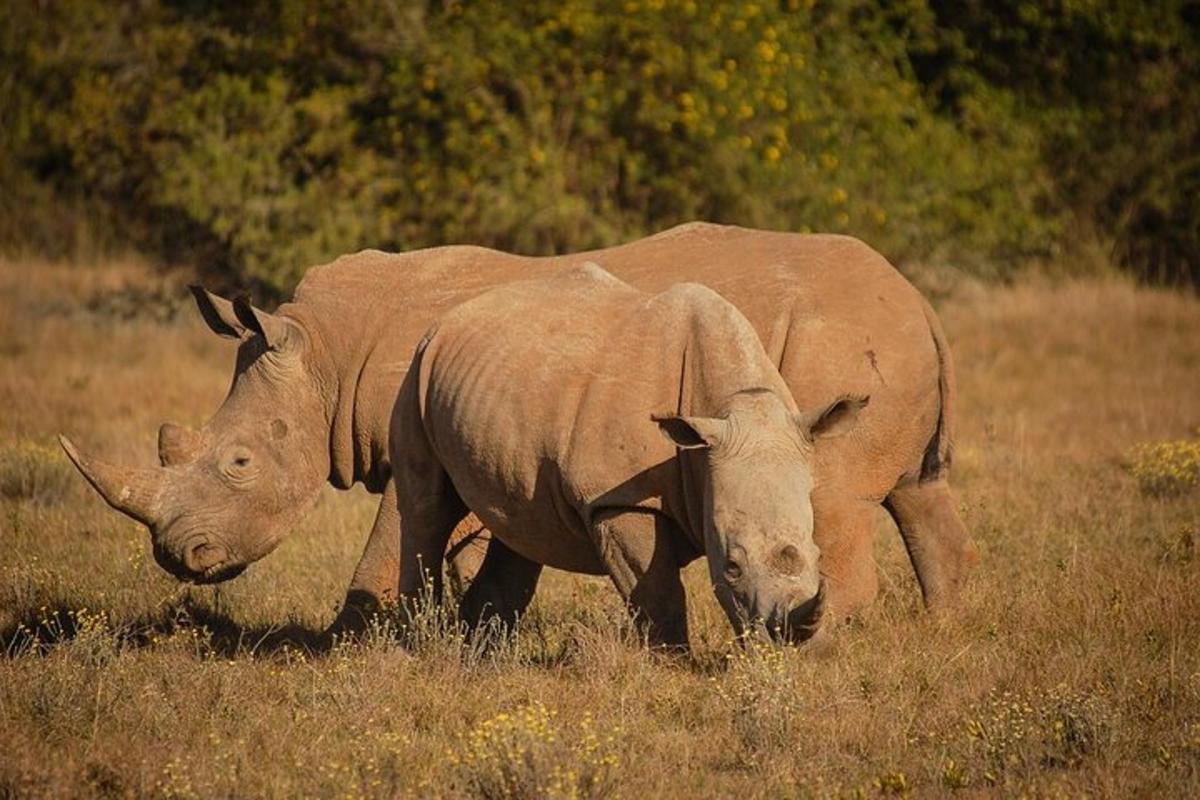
(257,139)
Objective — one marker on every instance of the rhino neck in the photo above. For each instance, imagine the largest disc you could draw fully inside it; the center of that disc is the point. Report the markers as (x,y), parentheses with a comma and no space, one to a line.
(348,374)
(368,382)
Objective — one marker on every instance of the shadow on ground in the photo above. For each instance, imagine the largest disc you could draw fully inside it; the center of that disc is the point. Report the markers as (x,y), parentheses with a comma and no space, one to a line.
(219,635)
(549,644)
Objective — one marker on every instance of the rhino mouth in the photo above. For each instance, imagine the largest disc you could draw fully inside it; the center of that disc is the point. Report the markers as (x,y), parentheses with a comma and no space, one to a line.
(218,573)
(208,561)
(800,623)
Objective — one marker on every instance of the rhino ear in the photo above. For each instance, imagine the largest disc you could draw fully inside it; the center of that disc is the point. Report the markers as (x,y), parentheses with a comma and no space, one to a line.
(218,313)
(834,420)
(690,433)
(279,333)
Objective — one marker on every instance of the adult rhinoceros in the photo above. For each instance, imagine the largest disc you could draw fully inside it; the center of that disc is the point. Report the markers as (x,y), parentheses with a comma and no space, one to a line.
(538,405)
(315,383)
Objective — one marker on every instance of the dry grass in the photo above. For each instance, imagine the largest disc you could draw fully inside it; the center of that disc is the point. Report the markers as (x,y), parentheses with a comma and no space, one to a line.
(1073,668)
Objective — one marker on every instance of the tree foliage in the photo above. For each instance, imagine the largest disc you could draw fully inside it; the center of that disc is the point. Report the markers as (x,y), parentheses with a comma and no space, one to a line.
(1113,89)
(258,139)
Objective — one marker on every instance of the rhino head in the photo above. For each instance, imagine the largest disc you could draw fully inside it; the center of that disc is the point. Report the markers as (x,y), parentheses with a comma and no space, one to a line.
(225,495)
(758,520)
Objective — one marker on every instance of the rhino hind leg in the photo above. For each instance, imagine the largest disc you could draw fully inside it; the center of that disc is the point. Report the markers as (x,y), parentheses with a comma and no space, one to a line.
(501,589)
(638,549)
(938,543)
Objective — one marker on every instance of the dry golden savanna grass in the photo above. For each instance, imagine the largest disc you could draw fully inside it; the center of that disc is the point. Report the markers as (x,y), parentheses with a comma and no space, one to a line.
(1072,668)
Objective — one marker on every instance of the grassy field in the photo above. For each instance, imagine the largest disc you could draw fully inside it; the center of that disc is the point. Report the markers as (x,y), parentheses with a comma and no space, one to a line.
(1072,668)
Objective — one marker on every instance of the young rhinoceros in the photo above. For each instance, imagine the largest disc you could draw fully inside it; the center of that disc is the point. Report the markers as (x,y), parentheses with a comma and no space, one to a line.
(541,407)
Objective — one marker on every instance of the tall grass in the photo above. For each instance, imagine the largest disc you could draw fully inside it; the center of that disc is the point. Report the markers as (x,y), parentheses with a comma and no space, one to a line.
(1072,668)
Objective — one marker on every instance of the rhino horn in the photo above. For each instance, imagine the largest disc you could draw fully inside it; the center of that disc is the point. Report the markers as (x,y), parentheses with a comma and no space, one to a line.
(177,444)
(133,492)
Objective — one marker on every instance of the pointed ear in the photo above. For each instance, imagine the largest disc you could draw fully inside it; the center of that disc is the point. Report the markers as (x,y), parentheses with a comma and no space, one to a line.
(834,420)
(278,332)
(691,433)
(218,313)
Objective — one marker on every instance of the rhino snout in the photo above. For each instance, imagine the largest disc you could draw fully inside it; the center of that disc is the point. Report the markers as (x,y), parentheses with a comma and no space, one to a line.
(200,557)
(796,613)
(804,618)
(198,560)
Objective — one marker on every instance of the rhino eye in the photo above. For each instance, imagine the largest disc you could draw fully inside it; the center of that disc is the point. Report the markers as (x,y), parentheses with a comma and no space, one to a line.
(238,466)
(733,570)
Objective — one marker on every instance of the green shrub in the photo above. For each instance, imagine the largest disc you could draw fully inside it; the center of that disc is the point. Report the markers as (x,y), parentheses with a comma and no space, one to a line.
(255,141)
(529,754)
(1166,468)
(1113,92)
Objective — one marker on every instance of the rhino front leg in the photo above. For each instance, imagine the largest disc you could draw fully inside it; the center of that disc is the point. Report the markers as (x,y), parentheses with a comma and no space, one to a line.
(377,575)
(429,508)
(938,544)
(843,529)
(638,549)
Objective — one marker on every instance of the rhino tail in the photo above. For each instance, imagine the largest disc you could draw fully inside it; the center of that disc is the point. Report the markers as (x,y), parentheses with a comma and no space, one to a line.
(938,453)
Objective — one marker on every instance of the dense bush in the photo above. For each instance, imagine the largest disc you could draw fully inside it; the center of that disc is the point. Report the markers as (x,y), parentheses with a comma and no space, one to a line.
(257,139)
(1113,89)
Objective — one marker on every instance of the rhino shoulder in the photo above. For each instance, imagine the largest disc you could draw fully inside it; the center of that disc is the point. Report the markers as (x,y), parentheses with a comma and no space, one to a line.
(700,303)
(583,286)
(589,272)
(317,277)
(707,319)
(697,229)
(373,273)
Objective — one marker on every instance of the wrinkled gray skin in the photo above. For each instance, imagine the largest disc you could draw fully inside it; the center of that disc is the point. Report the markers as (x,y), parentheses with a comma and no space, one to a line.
(316,381)
(539,406)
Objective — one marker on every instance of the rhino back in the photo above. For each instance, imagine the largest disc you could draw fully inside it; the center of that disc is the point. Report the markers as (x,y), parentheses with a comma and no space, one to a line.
(832,313)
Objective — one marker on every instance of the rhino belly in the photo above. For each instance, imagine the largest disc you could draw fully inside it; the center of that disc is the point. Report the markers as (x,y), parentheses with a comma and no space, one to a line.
(535,530)
(501,474)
